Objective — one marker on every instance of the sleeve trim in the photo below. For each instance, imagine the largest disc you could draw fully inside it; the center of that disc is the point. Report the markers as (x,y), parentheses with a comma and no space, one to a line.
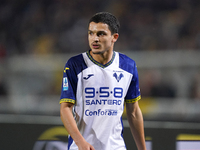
(133,100)
(67,100)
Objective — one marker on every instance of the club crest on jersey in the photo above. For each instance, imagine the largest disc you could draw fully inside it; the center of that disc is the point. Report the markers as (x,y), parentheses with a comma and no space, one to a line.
(118,77)
(65,84)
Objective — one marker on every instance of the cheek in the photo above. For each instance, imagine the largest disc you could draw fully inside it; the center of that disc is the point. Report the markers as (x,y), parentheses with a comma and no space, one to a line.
(107,41)
(89,39)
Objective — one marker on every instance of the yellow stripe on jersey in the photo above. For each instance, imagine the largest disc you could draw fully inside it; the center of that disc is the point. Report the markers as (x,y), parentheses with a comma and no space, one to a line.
(67,100)
(133,100)
(66,69)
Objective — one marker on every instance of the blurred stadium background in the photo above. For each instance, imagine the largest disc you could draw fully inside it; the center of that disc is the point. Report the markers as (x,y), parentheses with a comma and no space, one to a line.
(38,36)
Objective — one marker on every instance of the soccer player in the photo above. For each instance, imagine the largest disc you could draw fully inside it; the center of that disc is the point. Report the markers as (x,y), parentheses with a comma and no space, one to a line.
(95,86)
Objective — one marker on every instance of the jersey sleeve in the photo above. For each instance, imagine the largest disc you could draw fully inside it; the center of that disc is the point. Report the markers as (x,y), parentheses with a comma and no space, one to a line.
(69,83)
(133,93)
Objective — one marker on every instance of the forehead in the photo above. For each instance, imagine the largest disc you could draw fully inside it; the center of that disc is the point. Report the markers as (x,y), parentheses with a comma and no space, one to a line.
(98,27)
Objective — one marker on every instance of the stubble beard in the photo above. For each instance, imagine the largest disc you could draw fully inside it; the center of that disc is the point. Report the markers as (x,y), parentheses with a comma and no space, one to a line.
(99,52)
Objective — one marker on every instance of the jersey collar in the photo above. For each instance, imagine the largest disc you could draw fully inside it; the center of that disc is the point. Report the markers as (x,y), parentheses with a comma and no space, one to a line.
(99,64)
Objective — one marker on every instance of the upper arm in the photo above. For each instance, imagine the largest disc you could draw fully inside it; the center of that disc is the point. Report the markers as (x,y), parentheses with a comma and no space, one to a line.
(66,105)
(132,108)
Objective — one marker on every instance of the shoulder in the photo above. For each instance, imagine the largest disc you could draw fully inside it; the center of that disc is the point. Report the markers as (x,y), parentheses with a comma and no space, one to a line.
(77,59)
(125,59)
(76,63)
(126,63)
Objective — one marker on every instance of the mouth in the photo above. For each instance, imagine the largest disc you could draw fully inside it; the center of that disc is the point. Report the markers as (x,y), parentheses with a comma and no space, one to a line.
(95,46)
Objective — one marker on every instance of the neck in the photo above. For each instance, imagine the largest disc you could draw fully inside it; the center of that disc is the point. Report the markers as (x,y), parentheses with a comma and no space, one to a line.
(102,58)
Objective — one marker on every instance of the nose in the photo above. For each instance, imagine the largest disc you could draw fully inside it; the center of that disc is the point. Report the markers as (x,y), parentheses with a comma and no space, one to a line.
(96,38)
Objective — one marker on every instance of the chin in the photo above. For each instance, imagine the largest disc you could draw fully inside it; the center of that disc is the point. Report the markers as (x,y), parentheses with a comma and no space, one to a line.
(97,51)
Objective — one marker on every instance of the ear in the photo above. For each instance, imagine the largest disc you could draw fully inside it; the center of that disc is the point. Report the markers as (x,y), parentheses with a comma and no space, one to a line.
(115,37)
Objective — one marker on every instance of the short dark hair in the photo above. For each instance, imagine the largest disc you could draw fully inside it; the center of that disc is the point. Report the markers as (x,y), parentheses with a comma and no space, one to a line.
(107,18)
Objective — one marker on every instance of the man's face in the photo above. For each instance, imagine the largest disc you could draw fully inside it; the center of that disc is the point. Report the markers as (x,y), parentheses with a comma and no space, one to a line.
(100,38)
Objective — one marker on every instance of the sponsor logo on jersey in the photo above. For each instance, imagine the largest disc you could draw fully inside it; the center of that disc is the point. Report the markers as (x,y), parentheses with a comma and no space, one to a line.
(88,76)
(118,77)
(65,84)
(100,112)
(103,102)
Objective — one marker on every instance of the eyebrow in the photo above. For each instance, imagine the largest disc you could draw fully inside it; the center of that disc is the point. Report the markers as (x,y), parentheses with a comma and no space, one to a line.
(98,31)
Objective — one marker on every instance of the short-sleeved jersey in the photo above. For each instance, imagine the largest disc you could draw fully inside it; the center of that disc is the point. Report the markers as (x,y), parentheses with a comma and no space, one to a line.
(98,93)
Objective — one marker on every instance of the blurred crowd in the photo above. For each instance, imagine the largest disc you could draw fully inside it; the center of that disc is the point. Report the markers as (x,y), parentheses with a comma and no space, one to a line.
(60,26)
(40,27)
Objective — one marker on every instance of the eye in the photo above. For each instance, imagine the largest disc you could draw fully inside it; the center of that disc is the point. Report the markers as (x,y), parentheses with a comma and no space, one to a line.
(90,33)
(101,33)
